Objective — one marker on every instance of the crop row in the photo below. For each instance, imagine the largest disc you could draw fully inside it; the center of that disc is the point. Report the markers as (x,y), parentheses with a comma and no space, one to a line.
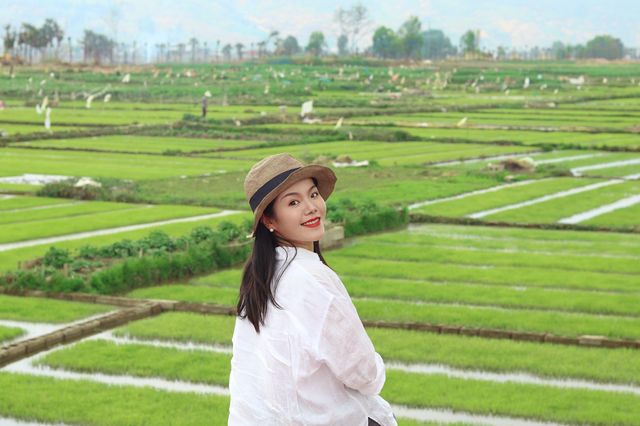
(120,215)
(505,196)
(14,162)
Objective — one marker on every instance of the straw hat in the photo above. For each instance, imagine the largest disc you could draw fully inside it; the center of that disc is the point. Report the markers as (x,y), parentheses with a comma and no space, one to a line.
(272,175)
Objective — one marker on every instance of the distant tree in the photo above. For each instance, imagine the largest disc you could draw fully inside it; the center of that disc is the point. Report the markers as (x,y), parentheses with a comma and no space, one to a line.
(343,42)
(262,48)
(288,46)
(558,50)
(181,48)
(273,37)
(604,46)
(161,48)
(9,39)
(412,41)
(502,52)
(468,42)
(97,47)
(194,46)
(353,22)
(316,43)
(239,47)
(206,52)
(435,45)
(226,51)
(385,43)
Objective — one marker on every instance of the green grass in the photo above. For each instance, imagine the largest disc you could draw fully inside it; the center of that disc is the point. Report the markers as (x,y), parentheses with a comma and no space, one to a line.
(134,214)
(19,187)
(197,366)
(503,197)
(512,399)
(9,333)
(559,208)
(15,162)
(62,400)
(618,171)
(46,310)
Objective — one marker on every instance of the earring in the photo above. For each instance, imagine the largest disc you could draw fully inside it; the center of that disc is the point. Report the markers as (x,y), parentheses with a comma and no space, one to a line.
(270,229)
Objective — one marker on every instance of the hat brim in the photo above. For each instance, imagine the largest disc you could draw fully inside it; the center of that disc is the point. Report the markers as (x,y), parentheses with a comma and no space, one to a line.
(326,181)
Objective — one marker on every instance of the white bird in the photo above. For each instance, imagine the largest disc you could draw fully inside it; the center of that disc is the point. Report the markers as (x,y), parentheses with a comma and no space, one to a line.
(107,97)
(89,100)
(338,124)
(462,122)
(127,78)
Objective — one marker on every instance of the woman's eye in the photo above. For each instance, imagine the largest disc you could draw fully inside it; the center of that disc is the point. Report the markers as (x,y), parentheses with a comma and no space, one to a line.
(293,203)
(314,195)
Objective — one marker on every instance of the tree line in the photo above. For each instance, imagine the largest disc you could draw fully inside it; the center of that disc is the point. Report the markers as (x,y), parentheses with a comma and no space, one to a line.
(410,42)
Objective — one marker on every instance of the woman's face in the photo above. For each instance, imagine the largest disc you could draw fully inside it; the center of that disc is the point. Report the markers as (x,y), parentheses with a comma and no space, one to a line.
(298,214)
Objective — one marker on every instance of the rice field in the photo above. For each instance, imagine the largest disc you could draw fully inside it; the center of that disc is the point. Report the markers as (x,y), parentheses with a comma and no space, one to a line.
(459,286)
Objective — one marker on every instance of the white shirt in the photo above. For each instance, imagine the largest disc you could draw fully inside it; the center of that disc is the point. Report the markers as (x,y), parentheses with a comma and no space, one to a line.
(312,362)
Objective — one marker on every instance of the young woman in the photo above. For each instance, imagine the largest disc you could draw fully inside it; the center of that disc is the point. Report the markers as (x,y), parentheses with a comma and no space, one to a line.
(300,353)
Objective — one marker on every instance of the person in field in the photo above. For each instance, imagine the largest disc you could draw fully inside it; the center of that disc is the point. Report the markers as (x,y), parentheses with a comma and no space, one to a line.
(300,353)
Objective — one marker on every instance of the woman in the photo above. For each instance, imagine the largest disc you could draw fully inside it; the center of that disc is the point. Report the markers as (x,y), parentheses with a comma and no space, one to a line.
(300,353)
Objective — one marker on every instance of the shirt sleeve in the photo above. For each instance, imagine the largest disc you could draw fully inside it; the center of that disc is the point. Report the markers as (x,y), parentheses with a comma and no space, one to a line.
(347,350)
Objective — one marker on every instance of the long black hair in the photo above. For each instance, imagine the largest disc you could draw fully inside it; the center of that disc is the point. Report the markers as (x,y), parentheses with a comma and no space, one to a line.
(258,286)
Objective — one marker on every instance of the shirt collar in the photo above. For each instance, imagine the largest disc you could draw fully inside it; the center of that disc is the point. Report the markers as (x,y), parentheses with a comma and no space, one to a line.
(286,252)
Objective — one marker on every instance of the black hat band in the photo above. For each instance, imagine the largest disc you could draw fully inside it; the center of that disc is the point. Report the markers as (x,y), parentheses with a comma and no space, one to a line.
(268,187)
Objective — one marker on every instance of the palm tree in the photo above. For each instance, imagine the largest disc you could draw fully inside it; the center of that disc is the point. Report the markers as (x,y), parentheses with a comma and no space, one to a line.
(239,47)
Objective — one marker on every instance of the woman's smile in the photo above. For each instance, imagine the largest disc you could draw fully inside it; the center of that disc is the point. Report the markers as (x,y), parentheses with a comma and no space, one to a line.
(312,223)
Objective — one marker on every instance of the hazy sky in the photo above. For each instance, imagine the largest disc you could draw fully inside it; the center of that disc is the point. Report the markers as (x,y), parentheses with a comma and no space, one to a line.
(511,23)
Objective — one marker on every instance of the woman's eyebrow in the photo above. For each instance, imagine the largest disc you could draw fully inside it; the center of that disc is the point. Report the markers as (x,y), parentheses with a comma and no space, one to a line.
(295,193)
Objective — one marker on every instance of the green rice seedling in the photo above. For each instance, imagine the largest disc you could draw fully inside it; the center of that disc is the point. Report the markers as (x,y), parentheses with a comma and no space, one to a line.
(186,293)
(520,320)
(76,211)
(46,310)
(15,161)
(132,215)
(182,327)
(54,400)
(507,356)
(626,216)
(500,275)
(546,403)
(141,144)
(198,366)
(559,208)
(478,256)
(10,333)
(625,304)
(503,197)
(21,202)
